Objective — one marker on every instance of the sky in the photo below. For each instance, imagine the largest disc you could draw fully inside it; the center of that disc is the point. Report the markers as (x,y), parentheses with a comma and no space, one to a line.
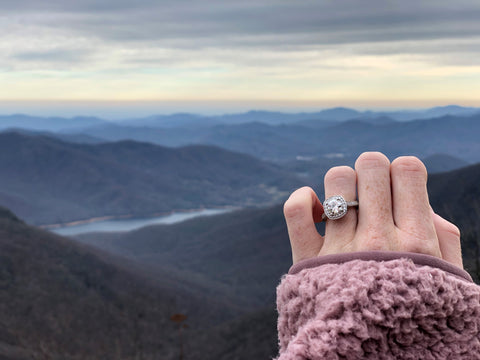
(223,54)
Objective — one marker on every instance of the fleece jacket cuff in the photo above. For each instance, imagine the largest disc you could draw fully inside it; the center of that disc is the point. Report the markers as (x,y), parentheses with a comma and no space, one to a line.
(419,259)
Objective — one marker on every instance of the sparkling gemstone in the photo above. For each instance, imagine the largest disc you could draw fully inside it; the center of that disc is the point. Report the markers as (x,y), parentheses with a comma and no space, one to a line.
(335,207)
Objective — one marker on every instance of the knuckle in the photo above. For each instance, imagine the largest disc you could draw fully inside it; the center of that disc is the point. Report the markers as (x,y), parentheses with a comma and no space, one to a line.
(292,209)
(374,243)
(428,246)
(453,229)
(377,238)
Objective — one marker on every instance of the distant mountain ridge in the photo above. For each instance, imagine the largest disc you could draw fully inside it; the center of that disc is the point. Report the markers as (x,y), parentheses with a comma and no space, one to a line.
(196,120)
(452,135)
(279,137)
(276,118)
(48,123)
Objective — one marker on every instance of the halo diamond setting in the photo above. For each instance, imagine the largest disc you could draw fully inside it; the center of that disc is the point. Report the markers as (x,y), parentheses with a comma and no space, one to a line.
(335,207)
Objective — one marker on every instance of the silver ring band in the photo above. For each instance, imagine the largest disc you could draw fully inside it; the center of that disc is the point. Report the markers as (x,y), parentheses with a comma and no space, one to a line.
(336,207)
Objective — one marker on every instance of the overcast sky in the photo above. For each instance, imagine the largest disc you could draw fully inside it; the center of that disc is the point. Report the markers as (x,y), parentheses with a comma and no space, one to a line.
(338,52)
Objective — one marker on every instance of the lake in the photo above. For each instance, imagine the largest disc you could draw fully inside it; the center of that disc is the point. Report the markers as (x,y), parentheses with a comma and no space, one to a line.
(132,224)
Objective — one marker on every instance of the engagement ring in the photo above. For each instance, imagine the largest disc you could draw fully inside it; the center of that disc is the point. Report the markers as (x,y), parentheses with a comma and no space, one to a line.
(335,207)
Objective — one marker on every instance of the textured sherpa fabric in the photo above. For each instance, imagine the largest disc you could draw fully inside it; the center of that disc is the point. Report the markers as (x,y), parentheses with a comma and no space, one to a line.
(392,309)
(419,259)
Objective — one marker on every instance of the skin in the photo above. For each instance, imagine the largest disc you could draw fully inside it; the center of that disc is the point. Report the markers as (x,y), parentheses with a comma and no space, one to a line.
(394,212)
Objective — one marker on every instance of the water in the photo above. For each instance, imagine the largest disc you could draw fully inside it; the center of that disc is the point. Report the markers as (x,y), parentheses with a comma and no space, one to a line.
(132,224)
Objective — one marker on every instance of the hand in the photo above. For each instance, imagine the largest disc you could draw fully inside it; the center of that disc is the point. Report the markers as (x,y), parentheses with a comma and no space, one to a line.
(394,213)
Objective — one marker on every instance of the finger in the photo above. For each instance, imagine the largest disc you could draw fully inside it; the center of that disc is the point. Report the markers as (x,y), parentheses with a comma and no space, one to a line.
(411,208)
(375,203)
(449,240)
(302,210)
(341,180)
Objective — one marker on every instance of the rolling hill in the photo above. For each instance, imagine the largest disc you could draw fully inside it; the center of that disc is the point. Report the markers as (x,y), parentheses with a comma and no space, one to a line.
(456,195)
(439,163)
(62,300)
(45,180)
(245,251)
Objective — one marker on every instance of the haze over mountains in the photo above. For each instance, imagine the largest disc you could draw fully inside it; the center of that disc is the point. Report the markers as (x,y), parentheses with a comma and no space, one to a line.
(49,181)
(284,137)
(121,288)
(81,172)
(23,121)
(267,117)
(77,177)
(449,134)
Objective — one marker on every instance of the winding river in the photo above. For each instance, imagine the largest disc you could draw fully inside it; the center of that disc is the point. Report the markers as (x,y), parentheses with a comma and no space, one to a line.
(132,224)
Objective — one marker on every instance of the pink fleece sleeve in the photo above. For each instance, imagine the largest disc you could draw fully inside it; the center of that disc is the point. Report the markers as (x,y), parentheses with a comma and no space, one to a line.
(401,307)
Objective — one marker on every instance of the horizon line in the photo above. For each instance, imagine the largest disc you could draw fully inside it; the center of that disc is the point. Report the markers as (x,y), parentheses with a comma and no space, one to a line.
(120,109)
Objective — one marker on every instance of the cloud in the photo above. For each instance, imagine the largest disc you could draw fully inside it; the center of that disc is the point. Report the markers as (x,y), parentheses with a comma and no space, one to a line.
(374,27)
(207,23)
(53,55)
(188,44)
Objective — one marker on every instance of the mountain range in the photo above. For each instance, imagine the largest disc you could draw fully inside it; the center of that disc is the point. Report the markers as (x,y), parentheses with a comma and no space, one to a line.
(113,295)
(47,181)
(50,181)
(282,137)
(195,120)
(453,135)
(276,118)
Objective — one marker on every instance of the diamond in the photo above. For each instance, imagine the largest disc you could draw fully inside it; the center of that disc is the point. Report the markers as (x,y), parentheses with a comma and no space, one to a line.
(335,207)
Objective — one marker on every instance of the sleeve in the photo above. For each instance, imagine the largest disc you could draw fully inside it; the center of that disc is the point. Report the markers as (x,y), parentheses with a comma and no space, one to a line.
(378,305)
